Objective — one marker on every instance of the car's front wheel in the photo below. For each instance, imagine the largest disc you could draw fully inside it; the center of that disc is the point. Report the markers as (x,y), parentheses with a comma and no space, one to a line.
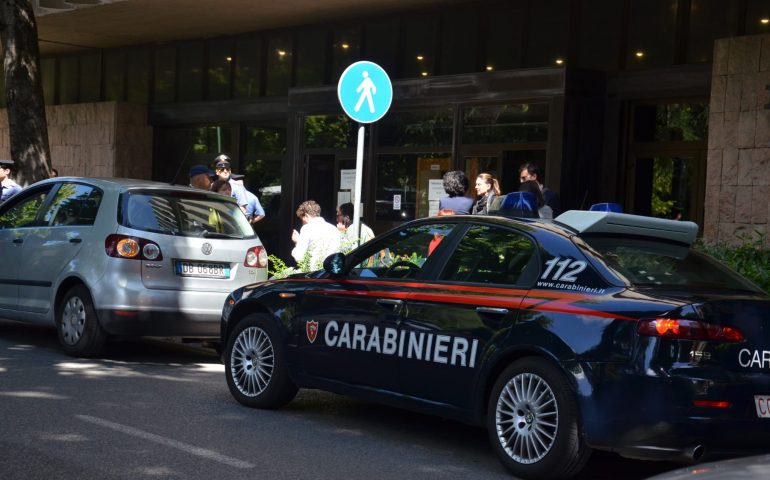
(255,364)
(532,419)
(79,331)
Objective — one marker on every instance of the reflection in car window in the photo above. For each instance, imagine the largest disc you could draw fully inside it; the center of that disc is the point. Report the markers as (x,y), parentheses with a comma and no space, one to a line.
(24,211)
(179,213)
(489,254)
(401,255)
(74,204)
(650,262)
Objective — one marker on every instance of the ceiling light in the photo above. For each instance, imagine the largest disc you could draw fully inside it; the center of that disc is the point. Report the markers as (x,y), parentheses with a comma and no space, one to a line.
(764,21)
(229,59)
(345,46)
(420,57)
(639,54)
(424,74)
(490,68)
(559,61)
(281,53)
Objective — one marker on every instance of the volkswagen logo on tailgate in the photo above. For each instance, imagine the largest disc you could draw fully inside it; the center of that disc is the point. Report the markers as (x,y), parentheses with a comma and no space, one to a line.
(207,248)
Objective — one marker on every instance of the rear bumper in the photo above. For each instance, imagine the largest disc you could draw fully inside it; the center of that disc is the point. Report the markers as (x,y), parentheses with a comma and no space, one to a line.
(162,313)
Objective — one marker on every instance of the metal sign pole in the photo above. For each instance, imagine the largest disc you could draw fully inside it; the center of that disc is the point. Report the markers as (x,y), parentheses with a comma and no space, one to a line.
(357,200)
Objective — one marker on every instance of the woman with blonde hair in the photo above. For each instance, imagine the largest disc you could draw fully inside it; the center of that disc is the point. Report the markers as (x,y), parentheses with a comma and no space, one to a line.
(487,189)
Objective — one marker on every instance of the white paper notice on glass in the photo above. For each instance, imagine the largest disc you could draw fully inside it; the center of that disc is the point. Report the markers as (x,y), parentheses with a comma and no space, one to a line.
(396,202)
(343,197)
(347,179)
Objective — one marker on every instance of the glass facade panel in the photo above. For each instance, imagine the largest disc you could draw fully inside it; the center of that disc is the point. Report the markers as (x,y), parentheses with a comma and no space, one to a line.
(279,61)
(177,149)
(409,129)
(521,123)
(505,23)
(311,58)
(68,80)
(651,47)
(48,72)
(191,72)
(459,52)
(265,154)
(138,80)
(220,60)
(248,60)
(419,52)
(114,76)
(709,20)
(400,194)
(600,23)
(382,44)
(671,122)
(548,33)
(330,131)
(165,75)
(346,49)
(90,85)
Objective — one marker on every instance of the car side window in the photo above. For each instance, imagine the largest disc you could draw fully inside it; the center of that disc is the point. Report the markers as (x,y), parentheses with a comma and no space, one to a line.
(489,254)
(400,255)
(74,204)
(24,210)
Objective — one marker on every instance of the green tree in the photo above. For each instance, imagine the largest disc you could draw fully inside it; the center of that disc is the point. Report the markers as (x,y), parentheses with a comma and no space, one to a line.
(24,91)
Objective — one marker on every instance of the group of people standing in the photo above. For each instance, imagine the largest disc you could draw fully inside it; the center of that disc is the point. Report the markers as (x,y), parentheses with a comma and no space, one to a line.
(488,190)
(225,182)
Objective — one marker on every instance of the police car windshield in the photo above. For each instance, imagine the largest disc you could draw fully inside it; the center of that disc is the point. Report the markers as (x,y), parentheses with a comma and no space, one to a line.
(645,262)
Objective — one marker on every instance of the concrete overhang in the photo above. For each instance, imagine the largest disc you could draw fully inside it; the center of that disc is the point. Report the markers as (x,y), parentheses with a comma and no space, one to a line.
(77,25)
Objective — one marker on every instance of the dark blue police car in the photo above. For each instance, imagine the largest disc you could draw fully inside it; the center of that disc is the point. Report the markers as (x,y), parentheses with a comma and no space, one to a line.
(598,330)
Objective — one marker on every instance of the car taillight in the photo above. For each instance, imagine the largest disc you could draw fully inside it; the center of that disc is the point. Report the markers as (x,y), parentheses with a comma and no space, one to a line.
(136,248)
(687,330)
(256,257)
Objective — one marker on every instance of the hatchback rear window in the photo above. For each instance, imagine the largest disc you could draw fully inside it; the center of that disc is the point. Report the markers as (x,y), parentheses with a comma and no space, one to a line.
(187,214)
(656,263)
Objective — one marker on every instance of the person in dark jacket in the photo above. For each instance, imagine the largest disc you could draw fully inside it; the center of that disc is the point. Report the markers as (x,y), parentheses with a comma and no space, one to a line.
(487,188)
(456,185)
(531,171)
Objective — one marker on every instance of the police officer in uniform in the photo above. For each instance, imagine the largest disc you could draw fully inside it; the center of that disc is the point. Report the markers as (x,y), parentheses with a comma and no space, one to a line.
(8,187)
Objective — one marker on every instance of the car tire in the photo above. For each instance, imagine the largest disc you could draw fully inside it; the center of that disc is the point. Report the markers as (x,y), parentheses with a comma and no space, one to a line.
(77,324)
(533,422)
(255,364)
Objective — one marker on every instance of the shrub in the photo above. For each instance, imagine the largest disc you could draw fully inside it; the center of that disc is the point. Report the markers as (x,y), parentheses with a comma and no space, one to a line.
(751,258)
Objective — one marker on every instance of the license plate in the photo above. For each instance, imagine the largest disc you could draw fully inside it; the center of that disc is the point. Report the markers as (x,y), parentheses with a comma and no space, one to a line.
(201,269)
(762,402)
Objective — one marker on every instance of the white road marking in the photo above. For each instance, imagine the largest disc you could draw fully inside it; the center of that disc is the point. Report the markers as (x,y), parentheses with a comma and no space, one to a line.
(191,449)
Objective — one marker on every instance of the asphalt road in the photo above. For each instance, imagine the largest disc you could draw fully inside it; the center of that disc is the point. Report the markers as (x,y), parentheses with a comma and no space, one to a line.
(160,410)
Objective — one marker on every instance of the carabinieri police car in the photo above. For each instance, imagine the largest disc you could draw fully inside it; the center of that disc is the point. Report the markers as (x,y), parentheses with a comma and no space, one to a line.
(598,330)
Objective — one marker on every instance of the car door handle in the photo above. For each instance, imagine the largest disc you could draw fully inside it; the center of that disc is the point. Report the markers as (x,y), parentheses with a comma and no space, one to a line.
(76,240)
(390,302)
(18,240)
(495,311)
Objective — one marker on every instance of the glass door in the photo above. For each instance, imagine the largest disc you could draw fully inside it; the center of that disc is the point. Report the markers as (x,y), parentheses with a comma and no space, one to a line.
(669,186)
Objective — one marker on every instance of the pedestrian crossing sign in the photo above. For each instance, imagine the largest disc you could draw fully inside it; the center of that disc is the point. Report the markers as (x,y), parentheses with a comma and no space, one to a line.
(365,92)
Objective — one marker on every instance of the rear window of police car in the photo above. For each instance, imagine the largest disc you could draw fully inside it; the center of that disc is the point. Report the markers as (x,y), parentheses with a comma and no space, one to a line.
(646,262)
(184,214)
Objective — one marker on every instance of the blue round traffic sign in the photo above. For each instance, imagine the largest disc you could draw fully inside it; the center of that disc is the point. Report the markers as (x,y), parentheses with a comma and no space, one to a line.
(365,92)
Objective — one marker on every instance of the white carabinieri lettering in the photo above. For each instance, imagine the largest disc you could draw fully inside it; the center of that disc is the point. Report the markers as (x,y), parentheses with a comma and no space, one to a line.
(754,358)
(423,346)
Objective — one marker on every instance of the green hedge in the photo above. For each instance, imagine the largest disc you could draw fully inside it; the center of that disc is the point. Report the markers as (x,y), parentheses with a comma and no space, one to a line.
(751,258)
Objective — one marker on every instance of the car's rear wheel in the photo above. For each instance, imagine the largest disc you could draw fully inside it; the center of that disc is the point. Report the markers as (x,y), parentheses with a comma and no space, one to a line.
(532,421)
(79,331)
(255,364)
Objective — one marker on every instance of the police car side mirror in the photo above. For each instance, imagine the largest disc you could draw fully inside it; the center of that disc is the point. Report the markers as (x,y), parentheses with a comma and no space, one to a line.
(335,263)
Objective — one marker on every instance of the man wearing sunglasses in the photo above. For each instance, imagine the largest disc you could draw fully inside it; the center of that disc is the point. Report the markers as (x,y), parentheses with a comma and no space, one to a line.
(224,172)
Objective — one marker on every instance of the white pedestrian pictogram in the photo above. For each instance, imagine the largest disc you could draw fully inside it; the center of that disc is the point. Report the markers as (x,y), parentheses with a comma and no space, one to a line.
(366,89)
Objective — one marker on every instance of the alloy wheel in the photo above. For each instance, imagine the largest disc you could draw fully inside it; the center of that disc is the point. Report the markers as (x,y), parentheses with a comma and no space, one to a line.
(252,361)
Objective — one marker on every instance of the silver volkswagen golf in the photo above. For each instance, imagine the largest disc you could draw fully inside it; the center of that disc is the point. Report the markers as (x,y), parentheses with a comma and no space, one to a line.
(102,257)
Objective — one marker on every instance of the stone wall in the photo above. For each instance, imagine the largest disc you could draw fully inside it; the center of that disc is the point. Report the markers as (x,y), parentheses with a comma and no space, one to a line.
(95,139)
(738,167)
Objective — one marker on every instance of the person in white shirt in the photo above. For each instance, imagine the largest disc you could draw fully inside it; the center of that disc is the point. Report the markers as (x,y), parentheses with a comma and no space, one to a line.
(317,239)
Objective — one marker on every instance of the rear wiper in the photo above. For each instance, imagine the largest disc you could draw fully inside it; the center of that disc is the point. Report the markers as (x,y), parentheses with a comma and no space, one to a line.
(208,234)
